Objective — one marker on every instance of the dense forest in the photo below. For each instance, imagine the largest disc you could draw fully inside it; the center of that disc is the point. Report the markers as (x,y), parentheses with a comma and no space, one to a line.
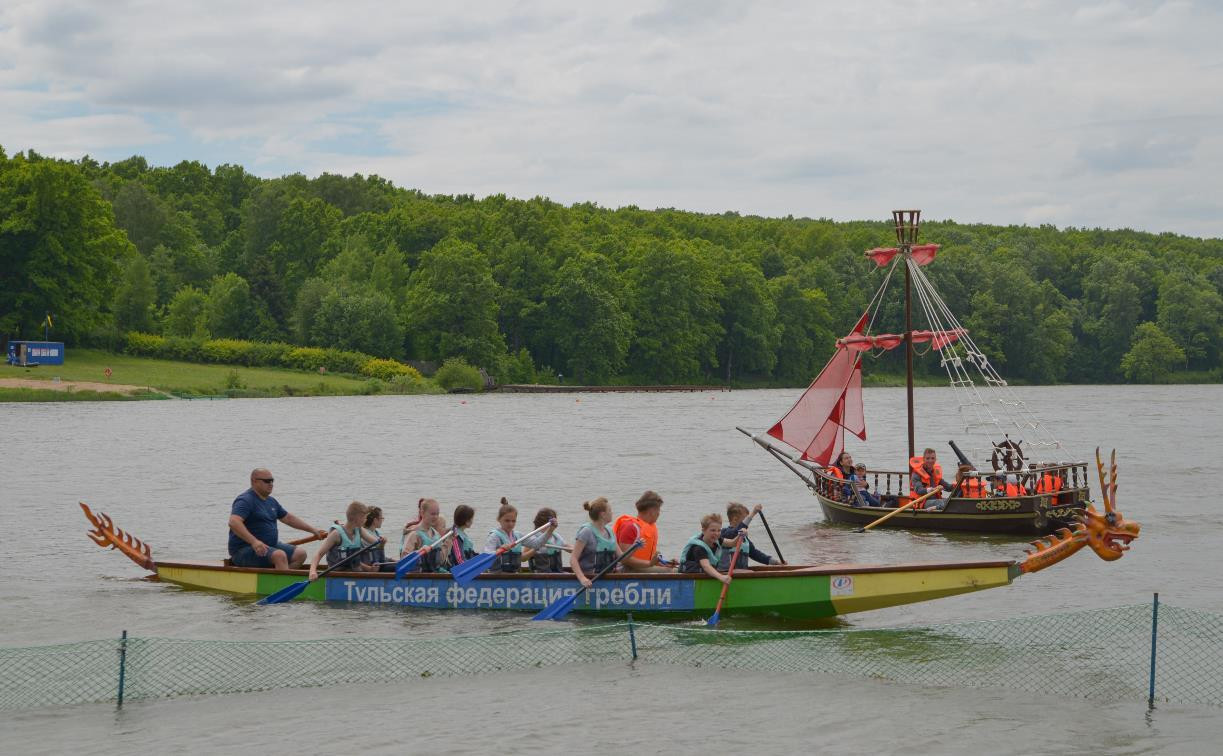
(530,289)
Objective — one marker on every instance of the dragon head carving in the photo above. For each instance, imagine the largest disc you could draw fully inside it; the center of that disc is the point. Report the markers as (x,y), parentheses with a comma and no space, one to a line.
(1108,533)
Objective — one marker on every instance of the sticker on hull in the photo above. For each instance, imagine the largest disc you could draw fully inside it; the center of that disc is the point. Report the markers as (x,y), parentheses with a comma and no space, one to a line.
(652,595)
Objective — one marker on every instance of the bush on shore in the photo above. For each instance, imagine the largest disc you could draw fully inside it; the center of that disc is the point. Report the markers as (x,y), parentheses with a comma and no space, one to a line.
(267,354)
(455,373)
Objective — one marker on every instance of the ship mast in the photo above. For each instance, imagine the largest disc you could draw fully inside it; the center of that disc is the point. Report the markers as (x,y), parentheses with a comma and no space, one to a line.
(907,223)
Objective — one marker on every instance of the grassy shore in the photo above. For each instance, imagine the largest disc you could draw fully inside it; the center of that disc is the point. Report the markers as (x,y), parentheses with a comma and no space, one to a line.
(179,378)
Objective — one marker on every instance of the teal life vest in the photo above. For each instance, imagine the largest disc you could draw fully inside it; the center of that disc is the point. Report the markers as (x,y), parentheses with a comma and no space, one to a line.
(695,550)
(347,546)
(547,558)
(511,560)
(463,545)
(376,555)
(429,561)
(604,550)
(743,559)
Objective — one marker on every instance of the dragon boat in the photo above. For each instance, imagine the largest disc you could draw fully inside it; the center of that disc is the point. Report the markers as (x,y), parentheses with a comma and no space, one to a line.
(791,592)
(1038,491)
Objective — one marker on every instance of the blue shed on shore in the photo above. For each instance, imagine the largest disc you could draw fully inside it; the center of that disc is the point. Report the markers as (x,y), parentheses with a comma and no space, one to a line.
(36,353)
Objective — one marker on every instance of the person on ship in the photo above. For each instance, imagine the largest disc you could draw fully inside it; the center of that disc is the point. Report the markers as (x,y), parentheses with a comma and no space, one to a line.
(345,540)
(426,533)
(377,556)
(858,481)
(503,535)
(737,519)
(928,476)
(843,470)
(254,539)
(542,551)
(1048,479)
(462,547)
(1007,485)
(967,484)
(703,551)
(644,526)
(595,545)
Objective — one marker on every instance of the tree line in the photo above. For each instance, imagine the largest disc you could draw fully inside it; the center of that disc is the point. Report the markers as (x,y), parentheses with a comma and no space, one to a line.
(530,289)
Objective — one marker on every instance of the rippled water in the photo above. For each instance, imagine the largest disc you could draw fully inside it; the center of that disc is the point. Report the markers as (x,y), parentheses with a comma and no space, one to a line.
(167,471)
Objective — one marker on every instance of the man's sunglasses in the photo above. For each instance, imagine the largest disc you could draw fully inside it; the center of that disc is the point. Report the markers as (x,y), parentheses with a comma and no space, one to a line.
(269,481)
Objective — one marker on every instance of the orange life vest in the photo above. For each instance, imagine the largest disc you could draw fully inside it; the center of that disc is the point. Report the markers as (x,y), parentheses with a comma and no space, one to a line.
(1049,483)
(836,472)
(915,465)
(971,488)
(1010,489)
(629,528)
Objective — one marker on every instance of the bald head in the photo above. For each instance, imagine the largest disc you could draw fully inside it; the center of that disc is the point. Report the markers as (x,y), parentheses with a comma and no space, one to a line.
(261,482)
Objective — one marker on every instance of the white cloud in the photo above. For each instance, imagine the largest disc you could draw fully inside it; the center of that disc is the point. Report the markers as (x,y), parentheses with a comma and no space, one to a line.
(1087,115)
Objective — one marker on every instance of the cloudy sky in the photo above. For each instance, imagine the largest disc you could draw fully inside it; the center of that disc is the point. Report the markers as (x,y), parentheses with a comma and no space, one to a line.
(1083,114)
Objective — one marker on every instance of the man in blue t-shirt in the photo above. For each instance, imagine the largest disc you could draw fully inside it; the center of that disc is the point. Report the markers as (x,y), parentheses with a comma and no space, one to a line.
(254,540)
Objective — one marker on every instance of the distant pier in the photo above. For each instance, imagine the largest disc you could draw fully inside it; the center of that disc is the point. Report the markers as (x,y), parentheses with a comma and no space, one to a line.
(539,388)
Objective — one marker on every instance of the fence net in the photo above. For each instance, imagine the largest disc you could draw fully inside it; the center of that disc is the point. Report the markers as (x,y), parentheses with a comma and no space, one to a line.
(1102,653)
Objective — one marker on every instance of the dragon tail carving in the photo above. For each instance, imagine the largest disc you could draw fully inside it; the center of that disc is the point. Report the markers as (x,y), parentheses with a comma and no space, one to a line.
(1107,533)
(105,534)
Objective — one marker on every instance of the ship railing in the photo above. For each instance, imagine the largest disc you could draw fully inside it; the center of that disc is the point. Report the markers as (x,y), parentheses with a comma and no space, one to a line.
(1073,477)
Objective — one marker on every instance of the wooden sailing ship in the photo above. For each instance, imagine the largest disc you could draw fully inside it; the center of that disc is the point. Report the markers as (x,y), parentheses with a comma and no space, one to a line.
(1021,482)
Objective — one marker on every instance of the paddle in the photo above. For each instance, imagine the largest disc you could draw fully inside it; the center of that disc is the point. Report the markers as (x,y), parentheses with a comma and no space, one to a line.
(466,572)
(409,562)
(769,530)
(890,515)
(292,591)
(562,606)
(730,574)
(308,539)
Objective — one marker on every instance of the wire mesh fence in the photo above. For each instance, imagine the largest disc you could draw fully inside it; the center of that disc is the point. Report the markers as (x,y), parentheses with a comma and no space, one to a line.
(1104,654)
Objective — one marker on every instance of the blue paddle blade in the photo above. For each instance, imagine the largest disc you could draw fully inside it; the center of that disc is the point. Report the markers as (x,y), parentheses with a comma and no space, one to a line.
(713,621)
(285,594)
(468,571)
(557,610)
(407,564)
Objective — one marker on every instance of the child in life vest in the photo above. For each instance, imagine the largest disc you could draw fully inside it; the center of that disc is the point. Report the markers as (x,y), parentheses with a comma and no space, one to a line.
(462,548)
(703,551)
(376,557)
(345,540)
(858,481)
(427,533)
(503,535)
(542,551)
(738,519)
(594,546)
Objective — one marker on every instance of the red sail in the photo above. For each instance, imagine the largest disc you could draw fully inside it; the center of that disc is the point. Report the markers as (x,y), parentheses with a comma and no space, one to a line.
(831,405)
(923,254)
(860,342)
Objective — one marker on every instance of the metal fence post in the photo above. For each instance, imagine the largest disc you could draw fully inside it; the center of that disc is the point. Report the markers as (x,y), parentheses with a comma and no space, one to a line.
(632,635)
(122,666)
(1154,636)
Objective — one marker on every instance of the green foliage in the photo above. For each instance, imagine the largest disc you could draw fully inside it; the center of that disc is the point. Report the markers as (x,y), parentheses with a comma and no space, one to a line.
(228,311)
(361,321)
(590,327)
(451,308)
(354,264)
(674,295)
(145,344)
(455,373)
(515,368)
(59,249)
(388,370)
(136,297)
(1153,356)
(306,358)
(185,313)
